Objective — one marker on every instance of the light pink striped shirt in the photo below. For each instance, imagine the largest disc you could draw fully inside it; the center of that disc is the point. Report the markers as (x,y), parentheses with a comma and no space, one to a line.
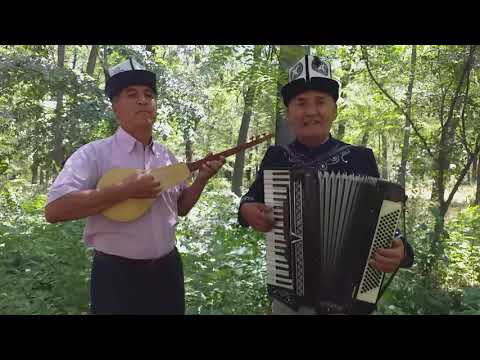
(150,236)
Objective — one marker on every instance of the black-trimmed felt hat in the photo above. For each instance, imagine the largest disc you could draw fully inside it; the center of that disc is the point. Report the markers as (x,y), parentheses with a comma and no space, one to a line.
(310,73)
(126,74)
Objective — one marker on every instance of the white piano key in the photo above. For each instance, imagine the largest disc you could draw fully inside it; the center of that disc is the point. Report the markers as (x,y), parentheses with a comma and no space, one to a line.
(272,255)
(276,256)
(283,182)
(277,259)
(275,176)
(274,283)
(275,264)
(274,204)
(272,244)
(276,279)
(278,173)
(270,186)
(271,175)
(275,198)
(277,245)
(279,272)
(276,190)
(282,282)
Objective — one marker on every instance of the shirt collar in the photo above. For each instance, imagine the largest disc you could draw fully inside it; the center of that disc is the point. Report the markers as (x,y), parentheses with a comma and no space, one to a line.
(128,142)
(320,148)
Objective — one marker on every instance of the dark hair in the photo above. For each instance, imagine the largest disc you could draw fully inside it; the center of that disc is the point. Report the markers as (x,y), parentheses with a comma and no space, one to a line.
(120,81)
(296,87)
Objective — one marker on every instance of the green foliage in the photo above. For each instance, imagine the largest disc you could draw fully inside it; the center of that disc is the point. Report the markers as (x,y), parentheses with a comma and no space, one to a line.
(201,101)
(463,249)
(224,263)
(45,267)
(453,284)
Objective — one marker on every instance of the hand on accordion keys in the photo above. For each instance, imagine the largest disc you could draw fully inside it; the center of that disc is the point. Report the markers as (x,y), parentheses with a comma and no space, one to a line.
(388,260)
(258,216)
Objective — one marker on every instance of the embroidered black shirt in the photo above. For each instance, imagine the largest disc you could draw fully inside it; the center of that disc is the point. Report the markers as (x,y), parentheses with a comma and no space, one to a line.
(346,158)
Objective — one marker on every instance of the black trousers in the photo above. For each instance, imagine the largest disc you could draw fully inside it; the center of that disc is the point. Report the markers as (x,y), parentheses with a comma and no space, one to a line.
(137,287)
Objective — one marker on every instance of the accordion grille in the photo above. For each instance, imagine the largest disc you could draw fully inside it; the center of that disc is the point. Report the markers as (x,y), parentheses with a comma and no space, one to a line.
(385,229)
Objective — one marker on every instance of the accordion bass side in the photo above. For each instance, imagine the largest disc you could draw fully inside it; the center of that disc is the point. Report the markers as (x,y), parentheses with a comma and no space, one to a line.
(327,227)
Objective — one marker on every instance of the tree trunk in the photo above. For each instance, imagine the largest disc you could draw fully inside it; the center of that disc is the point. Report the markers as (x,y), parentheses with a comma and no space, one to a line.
(384,157)
(405,150)
(348,74)
(105,57)
(74,61)
(447,137)
(48,171)
(477,197)
(188,140)
(289,54)
(187,137)
(341,130)
(442,164)
(34,169)
(435,251)
(440,170)
(365,138)
(150,49)
(237,176)
(92,60)
(248,171)
(473,174)
(42,176)
(408,116)
(58,151)
(188,146)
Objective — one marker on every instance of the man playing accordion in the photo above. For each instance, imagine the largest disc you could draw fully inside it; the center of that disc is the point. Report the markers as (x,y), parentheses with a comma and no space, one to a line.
(311,99)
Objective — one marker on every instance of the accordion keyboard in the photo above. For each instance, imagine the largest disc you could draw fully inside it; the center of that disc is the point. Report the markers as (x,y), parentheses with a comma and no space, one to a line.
(276,186)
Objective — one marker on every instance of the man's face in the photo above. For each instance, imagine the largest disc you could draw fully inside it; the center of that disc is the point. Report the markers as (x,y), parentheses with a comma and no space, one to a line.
(135,107)
(310,115)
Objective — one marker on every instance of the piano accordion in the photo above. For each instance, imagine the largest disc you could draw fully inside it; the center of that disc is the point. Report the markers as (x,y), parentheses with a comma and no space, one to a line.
(327,227)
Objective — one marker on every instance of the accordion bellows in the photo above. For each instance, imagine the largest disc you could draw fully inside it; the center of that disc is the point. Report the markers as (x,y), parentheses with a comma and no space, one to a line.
(327,227)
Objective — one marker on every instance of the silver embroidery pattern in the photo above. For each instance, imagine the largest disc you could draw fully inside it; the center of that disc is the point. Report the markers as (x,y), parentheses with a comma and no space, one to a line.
(301,160)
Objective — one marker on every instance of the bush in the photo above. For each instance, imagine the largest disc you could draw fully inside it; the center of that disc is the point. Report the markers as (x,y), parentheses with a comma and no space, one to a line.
(452,286)
(45,268)
(224,263)
(463,249)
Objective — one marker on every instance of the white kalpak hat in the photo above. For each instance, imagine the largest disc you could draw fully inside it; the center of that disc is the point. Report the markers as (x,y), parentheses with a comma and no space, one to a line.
(310,73)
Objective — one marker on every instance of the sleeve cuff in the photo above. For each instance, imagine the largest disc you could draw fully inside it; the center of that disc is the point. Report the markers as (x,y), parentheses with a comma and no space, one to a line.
(245,199)
(409,256)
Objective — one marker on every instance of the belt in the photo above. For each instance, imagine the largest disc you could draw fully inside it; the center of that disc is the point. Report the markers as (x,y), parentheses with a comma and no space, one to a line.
(100,255)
